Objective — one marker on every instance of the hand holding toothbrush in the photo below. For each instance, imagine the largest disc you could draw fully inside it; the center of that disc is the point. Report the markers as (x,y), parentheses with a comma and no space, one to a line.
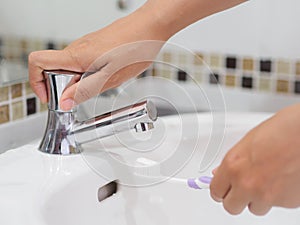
(263,169)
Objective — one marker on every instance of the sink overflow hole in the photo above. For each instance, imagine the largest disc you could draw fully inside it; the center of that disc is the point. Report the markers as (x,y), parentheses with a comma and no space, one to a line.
(107,190)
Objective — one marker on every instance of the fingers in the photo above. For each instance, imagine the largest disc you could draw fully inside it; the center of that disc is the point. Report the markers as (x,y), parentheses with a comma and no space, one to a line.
(83,90)
(48,60)
(220,185)
(235,201)
(108,77)
(258,208)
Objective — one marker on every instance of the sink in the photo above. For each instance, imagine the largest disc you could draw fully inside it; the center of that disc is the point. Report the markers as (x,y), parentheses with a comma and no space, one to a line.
(130,178)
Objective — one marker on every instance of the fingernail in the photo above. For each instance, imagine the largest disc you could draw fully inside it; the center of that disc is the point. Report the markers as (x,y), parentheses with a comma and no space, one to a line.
(67,104)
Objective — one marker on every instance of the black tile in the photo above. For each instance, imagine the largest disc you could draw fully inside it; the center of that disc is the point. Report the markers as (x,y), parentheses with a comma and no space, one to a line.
(143,74)
(31,106)
(247,82)
(231,62)
(50,45)
(265,65)
(181,75)
(297,87)
(213,78)
(1,54)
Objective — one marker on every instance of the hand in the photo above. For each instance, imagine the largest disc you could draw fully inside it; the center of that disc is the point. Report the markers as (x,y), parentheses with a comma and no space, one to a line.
(120,50)
(263,169)
(107,49)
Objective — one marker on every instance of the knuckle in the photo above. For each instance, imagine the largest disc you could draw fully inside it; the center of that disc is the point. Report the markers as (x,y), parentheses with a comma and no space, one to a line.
(33,57)
(231,162)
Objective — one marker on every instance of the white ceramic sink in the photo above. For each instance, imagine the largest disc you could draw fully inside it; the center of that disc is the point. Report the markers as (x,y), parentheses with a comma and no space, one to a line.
(41,189)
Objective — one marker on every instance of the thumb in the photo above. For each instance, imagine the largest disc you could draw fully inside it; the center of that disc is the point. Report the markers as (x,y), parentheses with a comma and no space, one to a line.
(85,89)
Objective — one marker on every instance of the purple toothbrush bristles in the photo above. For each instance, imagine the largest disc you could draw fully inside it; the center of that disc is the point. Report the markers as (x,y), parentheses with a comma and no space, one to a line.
(192,184)
(199,183)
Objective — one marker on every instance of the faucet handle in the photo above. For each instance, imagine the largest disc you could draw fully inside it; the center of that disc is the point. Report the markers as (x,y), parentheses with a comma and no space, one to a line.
(56,83)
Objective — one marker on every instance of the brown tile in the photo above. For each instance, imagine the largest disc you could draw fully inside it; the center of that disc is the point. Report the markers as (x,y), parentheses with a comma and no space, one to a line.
(4,114)
(297,68)
(198,59)
(23,44)
(3,94)
(230,80)
(154,72)
(248,64)
(283,67)
(17,110)
(64,45)
(282,86)
(43,107)
(264,84)
(16,90)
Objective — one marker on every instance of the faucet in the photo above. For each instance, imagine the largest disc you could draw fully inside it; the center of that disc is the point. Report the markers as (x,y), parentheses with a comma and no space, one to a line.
(65,134)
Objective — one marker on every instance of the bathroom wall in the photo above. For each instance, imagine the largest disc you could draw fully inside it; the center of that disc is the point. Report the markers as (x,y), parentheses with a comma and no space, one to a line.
(252,50)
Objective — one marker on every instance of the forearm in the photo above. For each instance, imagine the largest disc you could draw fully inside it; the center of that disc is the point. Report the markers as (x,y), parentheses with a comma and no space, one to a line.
(168,17)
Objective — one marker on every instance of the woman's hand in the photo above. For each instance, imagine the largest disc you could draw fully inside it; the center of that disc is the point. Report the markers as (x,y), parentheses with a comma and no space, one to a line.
(263,169)
(120,51)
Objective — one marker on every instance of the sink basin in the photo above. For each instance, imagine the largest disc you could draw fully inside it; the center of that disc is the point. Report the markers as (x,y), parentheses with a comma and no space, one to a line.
(150,169)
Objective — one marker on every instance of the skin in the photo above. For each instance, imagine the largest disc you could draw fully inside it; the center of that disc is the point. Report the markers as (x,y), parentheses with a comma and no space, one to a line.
(261,171)
(155,20)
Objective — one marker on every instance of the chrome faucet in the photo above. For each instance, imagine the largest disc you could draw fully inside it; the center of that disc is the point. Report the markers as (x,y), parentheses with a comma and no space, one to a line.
(65,133)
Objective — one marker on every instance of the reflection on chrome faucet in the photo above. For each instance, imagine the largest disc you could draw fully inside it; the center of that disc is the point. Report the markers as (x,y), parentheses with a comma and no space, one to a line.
(65,134)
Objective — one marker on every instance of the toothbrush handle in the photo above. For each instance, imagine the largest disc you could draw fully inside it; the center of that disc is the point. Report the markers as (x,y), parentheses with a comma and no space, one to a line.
(202,182)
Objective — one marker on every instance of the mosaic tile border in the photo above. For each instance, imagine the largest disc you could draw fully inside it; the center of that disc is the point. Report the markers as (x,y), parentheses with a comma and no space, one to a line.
(17,102)
(265,75)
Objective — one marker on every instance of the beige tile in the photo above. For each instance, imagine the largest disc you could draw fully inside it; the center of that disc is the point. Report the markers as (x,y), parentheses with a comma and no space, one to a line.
(167,57)
(17,110)
(248,64)
(3,94)
(215,61)
(282,86)
(283,67)
(230,81)
(16,90)
(182,58)
(4,114)
(28,88)
(166,74)
(264,84)
(198,76)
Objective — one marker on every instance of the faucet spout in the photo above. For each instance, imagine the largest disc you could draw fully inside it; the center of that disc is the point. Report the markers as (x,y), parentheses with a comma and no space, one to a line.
(65,134)
(124,119)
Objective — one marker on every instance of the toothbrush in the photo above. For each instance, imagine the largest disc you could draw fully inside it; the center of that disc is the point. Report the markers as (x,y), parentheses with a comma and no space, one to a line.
(202,182)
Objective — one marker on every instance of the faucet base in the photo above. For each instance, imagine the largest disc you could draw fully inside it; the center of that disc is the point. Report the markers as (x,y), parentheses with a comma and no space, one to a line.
(56,139)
